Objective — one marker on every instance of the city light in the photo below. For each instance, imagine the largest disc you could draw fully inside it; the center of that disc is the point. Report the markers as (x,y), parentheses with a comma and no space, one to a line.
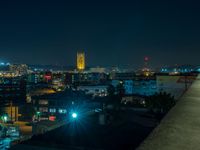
(74,115)
(5,118)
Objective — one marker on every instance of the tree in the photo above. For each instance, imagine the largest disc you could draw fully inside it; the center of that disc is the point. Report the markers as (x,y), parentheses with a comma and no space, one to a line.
(160,103)
(114,98)
(120,90)
(27,112)
(111,90)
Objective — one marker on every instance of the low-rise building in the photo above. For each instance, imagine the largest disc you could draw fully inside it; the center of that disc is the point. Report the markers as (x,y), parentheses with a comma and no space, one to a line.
(138,86)
(94,90)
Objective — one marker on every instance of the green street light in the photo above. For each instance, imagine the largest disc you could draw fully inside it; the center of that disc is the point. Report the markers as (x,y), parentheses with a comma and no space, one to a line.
(5,118)
(38,115)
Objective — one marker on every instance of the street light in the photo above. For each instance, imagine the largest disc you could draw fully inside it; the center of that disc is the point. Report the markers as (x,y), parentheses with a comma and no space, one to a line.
(38,115)
(74,115)
(5,118)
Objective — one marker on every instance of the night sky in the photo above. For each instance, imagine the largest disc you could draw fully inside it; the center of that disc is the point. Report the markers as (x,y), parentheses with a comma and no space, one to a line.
(111,33)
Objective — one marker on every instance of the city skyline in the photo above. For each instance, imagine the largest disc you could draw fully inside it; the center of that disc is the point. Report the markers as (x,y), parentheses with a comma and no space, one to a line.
(109,75)
(110,34)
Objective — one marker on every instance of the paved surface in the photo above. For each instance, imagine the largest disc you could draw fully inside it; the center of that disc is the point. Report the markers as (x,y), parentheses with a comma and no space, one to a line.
(180,129)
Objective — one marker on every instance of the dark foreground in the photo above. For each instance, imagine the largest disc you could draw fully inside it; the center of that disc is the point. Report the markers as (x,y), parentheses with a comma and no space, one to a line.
(85,133)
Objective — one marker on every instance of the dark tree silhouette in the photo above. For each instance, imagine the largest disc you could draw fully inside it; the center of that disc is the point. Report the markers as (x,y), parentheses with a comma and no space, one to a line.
(120,90)
(111,90)
(114,98)
(160,103)
(27,112)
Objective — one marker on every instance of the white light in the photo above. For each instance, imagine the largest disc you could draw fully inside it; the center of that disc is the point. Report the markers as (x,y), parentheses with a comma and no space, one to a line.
(74,115)
(5,118)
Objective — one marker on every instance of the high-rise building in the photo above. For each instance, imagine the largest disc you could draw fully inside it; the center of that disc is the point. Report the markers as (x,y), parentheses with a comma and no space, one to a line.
(80,61)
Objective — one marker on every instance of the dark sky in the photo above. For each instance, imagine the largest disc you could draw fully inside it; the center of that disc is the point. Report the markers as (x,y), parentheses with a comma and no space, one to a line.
(111,33)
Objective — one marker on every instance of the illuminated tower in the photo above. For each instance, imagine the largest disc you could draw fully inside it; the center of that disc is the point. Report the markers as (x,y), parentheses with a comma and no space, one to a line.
(146,59)
(80,61)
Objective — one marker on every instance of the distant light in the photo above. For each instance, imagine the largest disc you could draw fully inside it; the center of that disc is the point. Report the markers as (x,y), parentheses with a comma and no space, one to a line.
(52,118)
(74,115)
(146,58)
(5,118)
(47,77)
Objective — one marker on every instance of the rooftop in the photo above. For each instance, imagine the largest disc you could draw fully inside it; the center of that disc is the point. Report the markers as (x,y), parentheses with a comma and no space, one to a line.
(180,129)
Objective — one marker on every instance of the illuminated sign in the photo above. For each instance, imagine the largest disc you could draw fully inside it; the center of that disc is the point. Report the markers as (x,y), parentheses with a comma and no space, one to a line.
(52,118)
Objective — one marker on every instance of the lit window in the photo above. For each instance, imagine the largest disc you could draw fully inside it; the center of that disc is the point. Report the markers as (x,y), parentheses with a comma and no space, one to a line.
(43,109)
(52,110)
(43,102)
(62,111)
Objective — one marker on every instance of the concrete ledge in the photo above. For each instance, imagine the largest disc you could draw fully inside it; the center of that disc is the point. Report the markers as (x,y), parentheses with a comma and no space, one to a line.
(180,129)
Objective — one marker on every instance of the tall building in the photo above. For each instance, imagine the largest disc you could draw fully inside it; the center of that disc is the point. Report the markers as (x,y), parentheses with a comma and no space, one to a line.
(12,96)
(80,61)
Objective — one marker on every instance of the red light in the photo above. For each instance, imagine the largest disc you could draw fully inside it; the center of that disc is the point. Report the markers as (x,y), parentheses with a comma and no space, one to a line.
(146,58)
(52,118)
(47,77)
